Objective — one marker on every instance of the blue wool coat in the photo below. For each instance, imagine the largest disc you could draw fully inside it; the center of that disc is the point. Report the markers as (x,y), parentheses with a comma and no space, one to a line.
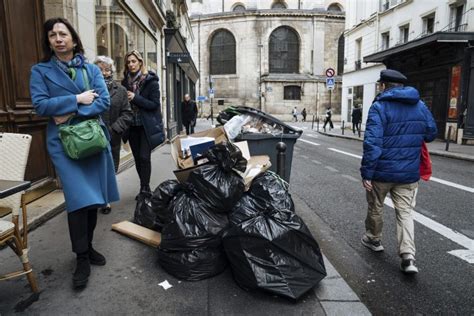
(397,124)
(86,182)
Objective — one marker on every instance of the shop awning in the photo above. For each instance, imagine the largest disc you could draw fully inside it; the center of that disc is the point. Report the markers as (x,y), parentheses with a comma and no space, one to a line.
(175,44)
(438,37)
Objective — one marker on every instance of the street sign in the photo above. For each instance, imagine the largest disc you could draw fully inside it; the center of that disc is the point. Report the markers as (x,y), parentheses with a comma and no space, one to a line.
(201,98)
(330,82)
(179,58)
(330,72)
(211,93)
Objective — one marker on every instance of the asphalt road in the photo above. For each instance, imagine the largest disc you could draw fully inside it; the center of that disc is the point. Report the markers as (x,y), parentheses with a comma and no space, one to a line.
(328,181)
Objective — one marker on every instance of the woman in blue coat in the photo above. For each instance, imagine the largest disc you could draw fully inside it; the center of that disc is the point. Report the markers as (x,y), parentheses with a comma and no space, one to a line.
(58,91)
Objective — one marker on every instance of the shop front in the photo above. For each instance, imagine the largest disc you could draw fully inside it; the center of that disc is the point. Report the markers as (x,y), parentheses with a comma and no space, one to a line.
(181,75)
(440,67)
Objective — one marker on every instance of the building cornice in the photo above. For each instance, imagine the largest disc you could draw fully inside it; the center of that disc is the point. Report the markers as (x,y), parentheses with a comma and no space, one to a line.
(269,13)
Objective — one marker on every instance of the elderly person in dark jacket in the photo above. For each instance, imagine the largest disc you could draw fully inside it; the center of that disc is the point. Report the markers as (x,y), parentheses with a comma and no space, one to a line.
(189,114)
(146,131)
(397,125)
(119,116)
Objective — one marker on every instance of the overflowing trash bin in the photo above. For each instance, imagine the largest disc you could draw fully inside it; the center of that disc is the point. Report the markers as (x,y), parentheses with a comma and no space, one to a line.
(262,132)
(227,209)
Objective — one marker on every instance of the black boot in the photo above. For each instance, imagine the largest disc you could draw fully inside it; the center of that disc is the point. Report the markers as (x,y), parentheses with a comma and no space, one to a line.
(96,258)
(144,191)
(83,270)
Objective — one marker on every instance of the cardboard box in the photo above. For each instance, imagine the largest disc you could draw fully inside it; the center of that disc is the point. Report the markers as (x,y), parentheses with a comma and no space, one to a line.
(218,134)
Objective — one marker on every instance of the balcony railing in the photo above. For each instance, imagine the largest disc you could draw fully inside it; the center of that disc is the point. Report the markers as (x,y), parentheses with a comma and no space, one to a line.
(458,28)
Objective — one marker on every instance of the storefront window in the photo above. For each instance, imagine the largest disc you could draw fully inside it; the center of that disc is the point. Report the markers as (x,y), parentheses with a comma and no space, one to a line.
(117,33)
(151,55)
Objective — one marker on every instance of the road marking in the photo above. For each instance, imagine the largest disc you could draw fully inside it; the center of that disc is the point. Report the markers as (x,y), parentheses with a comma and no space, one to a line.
(460,239)
(350,178)
(345,153)
(307,141)
(316,162)
(311,135)
(452,184)
(304,156)
(434,179)
(331,169)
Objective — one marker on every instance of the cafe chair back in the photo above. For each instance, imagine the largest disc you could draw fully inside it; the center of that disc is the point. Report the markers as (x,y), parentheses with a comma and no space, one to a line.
(14,150)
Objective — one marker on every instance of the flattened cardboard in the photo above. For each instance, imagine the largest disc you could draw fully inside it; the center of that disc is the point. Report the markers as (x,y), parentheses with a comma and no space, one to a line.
(137,232)
(261,162)
(217,133)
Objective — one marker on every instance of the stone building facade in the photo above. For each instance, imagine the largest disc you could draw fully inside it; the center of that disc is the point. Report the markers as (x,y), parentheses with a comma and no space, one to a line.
(270,55)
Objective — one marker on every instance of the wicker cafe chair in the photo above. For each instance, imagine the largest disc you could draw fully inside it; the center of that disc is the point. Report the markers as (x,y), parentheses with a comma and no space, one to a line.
(14,149)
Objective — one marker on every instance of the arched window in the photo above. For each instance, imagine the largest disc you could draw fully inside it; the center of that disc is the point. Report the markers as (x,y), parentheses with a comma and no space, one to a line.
(340,55)
(284,51)
(278,5)
(239,8)
(334,7)
(222,61)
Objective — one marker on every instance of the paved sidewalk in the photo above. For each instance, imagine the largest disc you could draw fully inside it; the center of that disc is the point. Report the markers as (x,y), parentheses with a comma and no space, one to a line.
(128,283)
(436,148)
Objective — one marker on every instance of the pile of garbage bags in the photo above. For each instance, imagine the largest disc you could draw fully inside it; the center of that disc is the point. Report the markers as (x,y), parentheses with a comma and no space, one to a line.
(210,221)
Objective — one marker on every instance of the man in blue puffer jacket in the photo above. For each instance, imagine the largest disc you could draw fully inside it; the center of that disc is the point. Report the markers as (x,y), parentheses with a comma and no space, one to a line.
(397,124)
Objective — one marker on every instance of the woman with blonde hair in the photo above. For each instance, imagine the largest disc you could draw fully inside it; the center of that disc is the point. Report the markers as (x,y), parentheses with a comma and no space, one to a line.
(146,130)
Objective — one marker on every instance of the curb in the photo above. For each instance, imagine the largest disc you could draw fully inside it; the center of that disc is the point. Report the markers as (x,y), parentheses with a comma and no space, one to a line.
(333,292)
(440,153)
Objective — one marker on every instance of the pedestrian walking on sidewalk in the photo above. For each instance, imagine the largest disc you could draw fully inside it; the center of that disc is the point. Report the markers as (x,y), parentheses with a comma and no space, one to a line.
(356,118)
(295,114)
(328,119)
(119,116)
(146,131)
(303,113)
(189,113)
(59,90)
(398,122)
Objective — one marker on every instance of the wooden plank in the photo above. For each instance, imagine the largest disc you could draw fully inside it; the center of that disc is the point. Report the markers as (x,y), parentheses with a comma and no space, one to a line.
(137,232)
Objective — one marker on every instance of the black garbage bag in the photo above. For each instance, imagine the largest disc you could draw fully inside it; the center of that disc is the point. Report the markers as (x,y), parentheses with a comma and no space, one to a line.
(192,225)
(194,265)
(272,250)
(144,214)
(216,183)
(271,190)
(161,199)
(267,192)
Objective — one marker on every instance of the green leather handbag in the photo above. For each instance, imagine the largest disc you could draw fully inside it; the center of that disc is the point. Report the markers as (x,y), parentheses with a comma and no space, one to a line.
(84,139)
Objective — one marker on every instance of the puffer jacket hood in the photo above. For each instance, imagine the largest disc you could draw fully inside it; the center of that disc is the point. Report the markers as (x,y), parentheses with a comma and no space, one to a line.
(151,76)
(405,95)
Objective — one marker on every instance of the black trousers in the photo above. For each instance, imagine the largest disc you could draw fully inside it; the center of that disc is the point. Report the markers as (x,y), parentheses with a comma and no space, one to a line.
(82,223)
(142,153)
(328,120)
(355,126)
(189,127)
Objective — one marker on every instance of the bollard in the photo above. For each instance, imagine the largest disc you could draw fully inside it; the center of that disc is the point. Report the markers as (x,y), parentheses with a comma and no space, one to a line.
(312,124)
(342,127)
(448,139)
(281,159)
(317,124)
